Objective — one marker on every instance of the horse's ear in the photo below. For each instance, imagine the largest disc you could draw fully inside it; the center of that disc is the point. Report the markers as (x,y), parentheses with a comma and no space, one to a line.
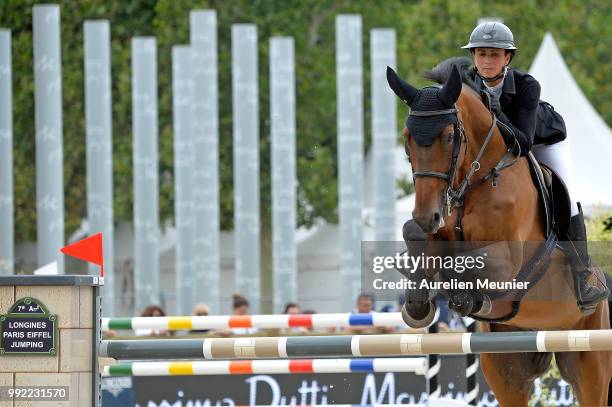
(452,88)
(402,89)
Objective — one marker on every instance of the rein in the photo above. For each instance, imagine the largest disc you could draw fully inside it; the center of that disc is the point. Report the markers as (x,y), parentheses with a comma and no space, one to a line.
(454,197)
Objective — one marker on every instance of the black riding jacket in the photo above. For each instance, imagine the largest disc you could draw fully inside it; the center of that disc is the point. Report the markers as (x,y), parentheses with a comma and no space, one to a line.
(519,104)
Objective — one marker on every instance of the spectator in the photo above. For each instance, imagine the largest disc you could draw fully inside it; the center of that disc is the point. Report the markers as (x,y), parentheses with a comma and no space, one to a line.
(396,307)
(241,306)
(388,308)
(364,305)
(108,334)
(292,308)
(152,311)
(310,311)
(200,310)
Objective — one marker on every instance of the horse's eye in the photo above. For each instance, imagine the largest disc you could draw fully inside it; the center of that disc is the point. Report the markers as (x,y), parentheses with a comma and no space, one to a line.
(449,138)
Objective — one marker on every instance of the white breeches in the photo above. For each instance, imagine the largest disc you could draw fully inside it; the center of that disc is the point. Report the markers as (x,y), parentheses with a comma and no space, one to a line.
(558,157)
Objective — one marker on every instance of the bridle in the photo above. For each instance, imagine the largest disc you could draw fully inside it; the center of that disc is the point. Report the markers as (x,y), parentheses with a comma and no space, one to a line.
(455,196)
(459,138)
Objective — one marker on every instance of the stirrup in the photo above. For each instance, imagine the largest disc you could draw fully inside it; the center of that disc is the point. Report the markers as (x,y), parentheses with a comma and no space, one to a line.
(587,310)
(581,285)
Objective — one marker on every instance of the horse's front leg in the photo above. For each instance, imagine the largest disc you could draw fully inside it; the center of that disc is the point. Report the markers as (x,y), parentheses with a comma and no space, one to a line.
(418,310)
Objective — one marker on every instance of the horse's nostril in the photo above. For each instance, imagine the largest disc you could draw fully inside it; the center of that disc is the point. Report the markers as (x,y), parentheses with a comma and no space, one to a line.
(436,217)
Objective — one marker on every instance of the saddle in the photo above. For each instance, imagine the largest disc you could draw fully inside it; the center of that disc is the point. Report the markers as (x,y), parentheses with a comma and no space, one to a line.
(554,196)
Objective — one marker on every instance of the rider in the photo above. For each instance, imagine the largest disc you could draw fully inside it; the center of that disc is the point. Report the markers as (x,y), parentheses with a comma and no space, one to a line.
(513,97)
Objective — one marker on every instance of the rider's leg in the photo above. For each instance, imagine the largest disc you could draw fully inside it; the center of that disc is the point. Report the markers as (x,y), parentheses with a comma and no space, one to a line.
(558,157)
(589,290)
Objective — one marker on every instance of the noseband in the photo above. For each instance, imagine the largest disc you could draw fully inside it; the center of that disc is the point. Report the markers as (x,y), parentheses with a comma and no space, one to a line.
(454,197)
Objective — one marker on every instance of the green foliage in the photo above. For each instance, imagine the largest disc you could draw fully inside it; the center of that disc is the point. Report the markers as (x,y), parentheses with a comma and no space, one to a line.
(600,240)
(597,225)
(427,32)
(406,187)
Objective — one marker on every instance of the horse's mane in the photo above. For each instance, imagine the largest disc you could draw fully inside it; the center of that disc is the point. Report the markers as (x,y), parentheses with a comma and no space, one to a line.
(442,71)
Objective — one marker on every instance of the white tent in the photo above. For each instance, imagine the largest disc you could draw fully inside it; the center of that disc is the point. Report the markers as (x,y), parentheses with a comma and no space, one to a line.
(590,137)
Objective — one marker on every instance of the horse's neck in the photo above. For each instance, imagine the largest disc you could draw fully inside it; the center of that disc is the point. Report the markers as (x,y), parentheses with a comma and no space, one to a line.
(480,200)
(477,126)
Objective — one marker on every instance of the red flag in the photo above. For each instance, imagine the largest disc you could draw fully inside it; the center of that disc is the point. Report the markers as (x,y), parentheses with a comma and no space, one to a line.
(88,249)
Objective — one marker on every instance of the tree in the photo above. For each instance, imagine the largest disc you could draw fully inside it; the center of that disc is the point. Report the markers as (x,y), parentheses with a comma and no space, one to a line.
(428,31)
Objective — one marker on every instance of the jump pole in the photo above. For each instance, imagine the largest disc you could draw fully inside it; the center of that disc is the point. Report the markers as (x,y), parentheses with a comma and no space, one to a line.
(359,345)
(177,323)
(270,366)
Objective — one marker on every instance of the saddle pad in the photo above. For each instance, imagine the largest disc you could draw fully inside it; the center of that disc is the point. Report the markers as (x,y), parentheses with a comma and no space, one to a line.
(553,195)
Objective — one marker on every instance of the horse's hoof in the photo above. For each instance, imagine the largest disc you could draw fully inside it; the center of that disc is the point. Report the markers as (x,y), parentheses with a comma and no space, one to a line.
(462,303)
(420,323)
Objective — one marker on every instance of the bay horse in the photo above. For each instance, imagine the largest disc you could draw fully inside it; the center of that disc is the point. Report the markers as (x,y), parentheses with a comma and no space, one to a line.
(470,186)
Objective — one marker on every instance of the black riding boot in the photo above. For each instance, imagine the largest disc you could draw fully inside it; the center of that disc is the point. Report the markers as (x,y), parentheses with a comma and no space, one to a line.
(589,290)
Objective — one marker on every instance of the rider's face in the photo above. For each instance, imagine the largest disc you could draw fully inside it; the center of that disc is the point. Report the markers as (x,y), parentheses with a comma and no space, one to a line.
(491,61)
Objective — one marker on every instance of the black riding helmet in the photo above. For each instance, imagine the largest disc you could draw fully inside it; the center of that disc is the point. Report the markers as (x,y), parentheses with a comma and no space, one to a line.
(492,35)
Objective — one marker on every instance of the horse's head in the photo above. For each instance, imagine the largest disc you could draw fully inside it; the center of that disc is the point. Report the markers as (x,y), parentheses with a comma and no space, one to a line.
(432,140)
